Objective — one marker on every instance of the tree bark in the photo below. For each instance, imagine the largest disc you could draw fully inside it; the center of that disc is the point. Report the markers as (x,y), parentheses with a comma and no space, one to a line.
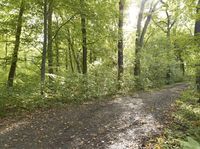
(168,74)
(72,51)
(16,47)
(69,51)
(84,37)
(140,34)
(75,56)
(57,55)
(66,60)
(44,51)
(182,65)
(169,26)
(147,22)
(120,40)
(197,32)
(138,45)
(50,43)
(6,54)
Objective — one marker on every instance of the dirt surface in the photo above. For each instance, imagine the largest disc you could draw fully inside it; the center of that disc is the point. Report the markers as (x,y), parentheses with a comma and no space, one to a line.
(123,123)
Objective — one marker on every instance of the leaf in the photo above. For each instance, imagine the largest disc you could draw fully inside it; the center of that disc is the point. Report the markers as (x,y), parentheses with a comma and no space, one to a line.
(190,144)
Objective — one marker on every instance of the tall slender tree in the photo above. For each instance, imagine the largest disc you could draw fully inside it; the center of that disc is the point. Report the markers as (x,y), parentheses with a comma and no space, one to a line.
(137,41)
(140,33)
(84,36)
(72,53)
(120,39)
(44,51)
(70,50)
(50,41)
(197,34)
(169,25)
(16,47)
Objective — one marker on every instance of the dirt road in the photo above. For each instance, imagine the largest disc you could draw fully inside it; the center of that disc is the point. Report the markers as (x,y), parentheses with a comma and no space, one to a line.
(122,123)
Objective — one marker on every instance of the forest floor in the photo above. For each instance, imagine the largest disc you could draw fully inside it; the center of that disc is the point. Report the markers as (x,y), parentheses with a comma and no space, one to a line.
(123,123)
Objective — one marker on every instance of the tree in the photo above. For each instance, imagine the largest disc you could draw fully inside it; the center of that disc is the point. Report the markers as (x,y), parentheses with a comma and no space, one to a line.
(120,39)
(72,53)
(44,51)
(50,40)
(138,45)
(70,47)
(169,24)
(140,34)
(197,32)
(84,36)
(16,47)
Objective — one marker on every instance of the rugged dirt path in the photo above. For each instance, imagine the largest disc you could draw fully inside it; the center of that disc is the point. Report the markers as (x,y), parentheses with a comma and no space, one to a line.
(118,124)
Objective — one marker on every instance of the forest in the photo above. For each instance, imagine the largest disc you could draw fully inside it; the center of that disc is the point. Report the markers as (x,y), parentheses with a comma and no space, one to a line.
(60,54)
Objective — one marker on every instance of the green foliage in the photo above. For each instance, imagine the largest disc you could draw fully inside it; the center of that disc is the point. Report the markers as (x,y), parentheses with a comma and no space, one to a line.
(157,59)
(190,144)
(69,85)
(184,131)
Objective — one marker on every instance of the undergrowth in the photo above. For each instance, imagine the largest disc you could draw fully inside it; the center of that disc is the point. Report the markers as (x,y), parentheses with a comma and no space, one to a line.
(184,130)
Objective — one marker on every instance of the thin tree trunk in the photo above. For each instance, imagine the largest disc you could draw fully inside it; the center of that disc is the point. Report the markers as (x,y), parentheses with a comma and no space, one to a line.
(91,57)
(75,57)
(6,53)
(50,43)
(44,51)
(168,74)
(66,60)
(84,37)
(140,36)
(16,47)
(57,47)
(147,22)
(182,66)
(71,44)
(120,40)
(138,45)
(70,50)
(57,56)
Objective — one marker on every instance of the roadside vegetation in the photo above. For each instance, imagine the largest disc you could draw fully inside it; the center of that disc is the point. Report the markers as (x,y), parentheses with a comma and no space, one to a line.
(182,130)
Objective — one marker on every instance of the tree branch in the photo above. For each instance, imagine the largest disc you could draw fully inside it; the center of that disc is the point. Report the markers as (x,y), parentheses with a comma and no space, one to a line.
(72,17)
(158,25)
(149,17)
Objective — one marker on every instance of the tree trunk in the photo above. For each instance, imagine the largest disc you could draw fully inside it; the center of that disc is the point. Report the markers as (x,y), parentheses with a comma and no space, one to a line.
(197,32)
(16,47)
(91,57)
(6,54)
(138,45)
(84,37)
(44,51)
(75,57)
(168,74)
(57,55)
(50,43)
(169,24)
(70,50)
(70,59)
(66,60)
(120,40)
(182,65)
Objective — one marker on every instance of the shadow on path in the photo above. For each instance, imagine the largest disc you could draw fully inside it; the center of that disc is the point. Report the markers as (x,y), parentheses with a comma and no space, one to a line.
(117,124)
